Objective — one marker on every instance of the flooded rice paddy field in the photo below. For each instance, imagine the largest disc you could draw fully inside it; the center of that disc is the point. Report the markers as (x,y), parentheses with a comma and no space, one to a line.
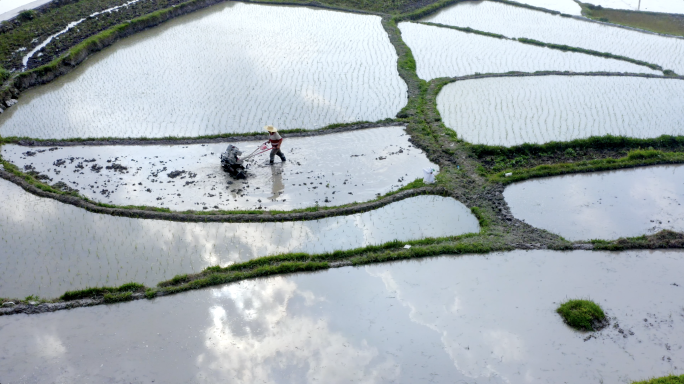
(518,22)
(233,67)
(569,7)
(474,319)
(11,8)
(603,205)
(663,6)
(48,247)
(443,52)
(516,110)
(327,170)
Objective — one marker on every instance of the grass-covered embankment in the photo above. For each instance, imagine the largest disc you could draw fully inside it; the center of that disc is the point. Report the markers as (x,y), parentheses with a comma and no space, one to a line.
(672,379)
(635,158)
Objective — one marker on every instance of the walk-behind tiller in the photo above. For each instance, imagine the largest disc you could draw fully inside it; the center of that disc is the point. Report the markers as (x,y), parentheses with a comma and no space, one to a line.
(232,164)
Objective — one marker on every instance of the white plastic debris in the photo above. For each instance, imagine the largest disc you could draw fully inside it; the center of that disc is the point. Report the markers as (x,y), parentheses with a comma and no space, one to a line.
(407,246)
(509,174)
(429,175)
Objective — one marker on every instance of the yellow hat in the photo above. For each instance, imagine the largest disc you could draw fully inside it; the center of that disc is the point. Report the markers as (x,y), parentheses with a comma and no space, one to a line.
(270,128)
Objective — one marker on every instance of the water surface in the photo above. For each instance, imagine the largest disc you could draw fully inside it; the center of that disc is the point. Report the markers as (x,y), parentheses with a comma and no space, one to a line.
(11,8)
(47,247)
(233,67)
(443,52)
(517,22)
(603,205)
(516,110)
(326,170)
(468,319)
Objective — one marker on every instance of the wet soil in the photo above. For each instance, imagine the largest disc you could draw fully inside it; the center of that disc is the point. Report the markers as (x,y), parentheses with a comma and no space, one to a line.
(366,164)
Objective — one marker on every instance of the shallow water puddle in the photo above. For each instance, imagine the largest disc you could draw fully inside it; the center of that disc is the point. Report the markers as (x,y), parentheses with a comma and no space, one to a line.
(516,110)
(236,67)
(664,6)
(327,170)
(443,52)
(603,205)
(475,319)
(47,247)
(517,22)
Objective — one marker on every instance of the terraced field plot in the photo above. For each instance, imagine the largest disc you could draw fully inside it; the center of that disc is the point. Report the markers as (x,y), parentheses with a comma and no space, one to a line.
(48,247)
(664,6)
(518,22)
(11,8)
(327,170)
(233,67)
(516,110)
(603,205)
(468,319)
(443,52)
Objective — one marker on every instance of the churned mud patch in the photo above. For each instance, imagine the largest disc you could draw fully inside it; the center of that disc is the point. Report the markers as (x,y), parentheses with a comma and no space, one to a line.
(327,170)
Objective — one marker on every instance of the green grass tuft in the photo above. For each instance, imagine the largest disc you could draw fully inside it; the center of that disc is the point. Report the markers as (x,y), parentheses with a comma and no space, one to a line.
(581,314)
(110,298)
(663,380)
(102,291)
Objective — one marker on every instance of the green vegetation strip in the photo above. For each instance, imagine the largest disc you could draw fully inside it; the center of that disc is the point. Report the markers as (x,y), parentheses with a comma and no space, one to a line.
(662,239)
(567,48)
(597,142)
(466,30)
(663,380)
(636,158)
(581,314)
(103,291)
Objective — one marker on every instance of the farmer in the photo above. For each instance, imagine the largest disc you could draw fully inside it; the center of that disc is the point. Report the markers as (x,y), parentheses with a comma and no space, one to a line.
(276,141)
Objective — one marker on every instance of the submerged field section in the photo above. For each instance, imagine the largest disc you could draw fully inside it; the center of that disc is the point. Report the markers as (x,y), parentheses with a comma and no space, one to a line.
(216,76)
(230,68)
(50,247)
(444,52)
(603,205)
(328,170)
(517,22)
(515,110)
(476,319)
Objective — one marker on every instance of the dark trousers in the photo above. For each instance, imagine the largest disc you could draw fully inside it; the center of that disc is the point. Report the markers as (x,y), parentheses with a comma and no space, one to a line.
(277,151)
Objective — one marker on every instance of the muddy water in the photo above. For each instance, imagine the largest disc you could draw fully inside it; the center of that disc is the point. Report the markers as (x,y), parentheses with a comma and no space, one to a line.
(665,6)
(326,170)
(517,22)
(233,67)
(474,319)
(517,110)
(442,52)
(49,247)
(603,205)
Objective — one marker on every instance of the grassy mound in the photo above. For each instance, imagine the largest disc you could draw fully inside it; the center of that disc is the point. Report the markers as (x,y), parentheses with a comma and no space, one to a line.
(584,315)
(663,380)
